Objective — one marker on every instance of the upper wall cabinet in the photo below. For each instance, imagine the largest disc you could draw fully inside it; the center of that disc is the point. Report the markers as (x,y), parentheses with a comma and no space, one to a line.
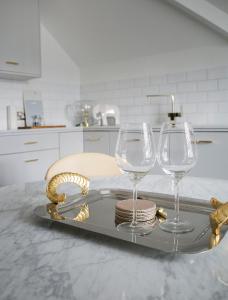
(20,56)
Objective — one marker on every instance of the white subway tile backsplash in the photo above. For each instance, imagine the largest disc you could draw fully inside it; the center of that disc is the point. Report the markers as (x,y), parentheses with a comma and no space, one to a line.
(184,87)
(54,96)
(158,79)
(179,77)
(141,82)
(140,100)
(158,99)
(208,108)
(150,109)
(125,101)
(153,89)
(217,119)
(223,107)
(169,88)
(223,84)
(203,94)
(189,108)
(122,93)
(126,84)
(218,73)
(164,108)
(113,85)
(197,97)
(217,96)
(196,75)
(208,85)
(134,92)
(196,119)
(135,110)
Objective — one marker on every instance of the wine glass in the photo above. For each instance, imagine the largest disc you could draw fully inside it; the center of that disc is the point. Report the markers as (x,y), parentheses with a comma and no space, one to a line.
(177,155)
(135,155)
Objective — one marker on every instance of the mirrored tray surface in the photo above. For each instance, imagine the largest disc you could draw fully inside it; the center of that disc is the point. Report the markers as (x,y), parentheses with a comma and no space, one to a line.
(101,219)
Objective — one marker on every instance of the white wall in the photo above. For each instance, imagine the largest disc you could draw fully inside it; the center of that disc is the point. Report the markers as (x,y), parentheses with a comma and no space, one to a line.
(203,93)
(197,77)
(172,62)
(59,84)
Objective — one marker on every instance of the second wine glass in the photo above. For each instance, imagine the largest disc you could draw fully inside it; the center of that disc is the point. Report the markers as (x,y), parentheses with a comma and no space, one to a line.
(177,155)
(135,155)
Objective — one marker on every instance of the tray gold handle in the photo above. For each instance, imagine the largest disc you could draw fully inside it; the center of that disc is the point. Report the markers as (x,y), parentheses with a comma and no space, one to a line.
(66,177)
(218,218)
(161,214)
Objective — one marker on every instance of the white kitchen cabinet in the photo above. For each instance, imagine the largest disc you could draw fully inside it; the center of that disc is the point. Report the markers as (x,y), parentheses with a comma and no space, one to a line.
(70,143)
(212,155)
(96,141)
(26,167)
(28,142)
(20,56)
(26,157)
(212,162)
(112,142)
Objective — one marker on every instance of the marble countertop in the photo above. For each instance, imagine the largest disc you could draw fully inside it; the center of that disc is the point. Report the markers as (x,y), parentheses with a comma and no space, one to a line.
(41,260)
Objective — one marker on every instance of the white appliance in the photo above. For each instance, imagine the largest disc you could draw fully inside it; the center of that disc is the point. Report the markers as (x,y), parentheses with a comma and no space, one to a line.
(106,114)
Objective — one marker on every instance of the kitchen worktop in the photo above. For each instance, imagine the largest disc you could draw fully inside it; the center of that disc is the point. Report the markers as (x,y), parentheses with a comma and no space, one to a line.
(42,260)
(156,128)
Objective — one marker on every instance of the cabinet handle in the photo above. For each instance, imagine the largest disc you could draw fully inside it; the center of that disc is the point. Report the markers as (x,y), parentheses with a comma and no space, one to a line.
(203,142)
(11,62)
(133,140)
(30,143)
(31,160)
(93,140)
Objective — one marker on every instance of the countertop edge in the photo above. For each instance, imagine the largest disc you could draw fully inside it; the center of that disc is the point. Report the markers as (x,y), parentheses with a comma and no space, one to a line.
(90,129)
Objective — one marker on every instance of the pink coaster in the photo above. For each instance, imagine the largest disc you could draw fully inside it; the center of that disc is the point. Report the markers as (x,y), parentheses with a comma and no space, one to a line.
(140,205)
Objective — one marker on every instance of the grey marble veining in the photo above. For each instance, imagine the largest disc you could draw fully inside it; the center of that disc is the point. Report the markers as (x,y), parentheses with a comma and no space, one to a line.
(41,260)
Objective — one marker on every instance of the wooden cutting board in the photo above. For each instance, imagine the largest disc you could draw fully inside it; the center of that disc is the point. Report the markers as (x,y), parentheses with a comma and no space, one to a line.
(49,126)
(43,126)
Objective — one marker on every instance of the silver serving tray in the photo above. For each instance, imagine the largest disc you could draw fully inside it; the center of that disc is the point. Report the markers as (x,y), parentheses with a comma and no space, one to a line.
(102,220)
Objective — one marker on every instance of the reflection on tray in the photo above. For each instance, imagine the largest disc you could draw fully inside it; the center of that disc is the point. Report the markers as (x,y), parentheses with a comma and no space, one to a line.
(56,215)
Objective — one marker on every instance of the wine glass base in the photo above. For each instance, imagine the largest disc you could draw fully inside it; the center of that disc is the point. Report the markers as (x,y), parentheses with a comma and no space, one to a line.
(138,229)
(176,227)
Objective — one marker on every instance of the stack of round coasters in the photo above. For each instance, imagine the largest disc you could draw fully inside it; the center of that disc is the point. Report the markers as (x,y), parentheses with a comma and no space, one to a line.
(145,211)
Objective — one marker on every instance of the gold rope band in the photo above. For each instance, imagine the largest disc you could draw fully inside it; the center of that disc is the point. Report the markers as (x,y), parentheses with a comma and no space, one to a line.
(66,177)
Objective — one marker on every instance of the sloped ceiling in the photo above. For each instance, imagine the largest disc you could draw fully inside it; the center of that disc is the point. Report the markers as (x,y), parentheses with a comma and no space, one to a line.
(221,4)
(101,31)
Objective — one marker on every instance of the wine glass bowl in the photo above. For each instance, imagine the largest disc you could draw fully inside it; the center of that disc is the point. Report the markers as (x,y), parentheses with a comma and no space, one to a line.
(135,155)
(177,155)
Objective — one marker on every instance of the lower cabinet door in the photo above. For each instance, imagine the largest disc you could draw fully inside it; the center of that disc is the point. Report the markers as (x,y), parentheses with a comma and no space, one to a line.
(212,155)
(112,142)
(26,167)
(96,142)
(70,143)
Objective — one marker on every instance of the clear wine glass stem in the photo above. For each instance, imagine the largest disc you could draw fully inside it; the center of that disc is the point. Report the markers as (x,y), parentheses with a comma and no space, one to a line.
(134,216)
(177,199)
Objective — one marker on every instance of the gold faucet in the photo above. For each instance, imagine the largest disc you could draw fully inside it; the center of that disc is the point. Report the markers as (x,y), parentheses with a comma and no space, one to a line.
(172,115)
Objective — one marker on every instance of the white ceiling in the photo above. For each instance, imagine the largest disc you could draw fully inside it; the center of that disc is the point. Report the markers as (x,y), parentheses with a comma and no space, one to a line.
(221,4)
(101,31)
